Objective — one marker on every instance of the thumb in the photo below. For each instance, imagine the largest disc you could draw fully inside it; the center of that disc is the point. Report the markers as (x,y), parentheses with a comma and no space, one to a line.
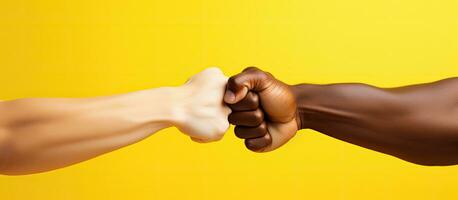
(236,89)
(239,85)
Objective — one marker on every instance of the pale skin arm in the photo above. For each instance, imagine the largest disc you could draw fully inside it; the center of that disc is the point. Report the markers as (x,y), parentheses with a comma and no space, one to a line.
(38,135)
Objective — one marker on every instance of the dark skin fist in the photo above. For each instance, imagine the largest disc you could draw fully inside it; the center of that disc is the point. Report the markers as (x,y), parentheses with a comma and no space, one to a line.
(417,123)
(263,109)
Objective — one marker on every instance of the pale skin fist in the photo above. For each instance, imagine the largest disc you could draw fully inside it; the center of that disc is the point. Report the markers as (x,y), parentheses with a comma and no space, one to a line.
(263,109)
(200,110)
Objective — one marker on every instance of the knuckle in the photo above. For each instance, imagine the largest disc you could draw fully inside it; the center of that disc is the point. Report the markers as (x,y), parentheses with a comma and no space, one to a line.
(223,128)
(255,145)
(232,118)
(254,98)
(227,111)
(262,127)
(258,116)
(237,80)
(223,79)
(239,132)
(231,79)
(233,82)
(213,70)
(251,101)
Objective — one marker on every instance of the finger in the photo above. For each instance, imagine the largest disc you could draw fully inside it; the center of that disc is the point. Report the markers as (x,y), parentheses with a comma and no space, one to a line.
(250,102)
(258,144)
(226,110)
(245,132)
(238,86)
(235,89)
(247,118)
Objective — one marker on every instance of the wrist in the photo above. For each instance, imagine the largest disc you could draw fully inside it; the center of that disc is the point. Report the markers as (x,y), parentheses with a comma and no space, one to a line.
(320,105)
(154,106)
(179,100)
(308,112)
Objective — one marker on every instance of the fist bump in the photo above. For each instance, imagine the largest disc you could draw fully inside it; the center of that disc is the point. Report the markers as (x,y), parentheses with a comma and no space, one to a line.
(262,108)
(201,112)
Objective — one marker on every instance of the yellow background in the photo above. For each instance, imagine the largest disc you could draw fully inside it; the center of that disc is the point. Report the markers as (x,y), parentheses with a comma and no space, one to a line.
(80,48)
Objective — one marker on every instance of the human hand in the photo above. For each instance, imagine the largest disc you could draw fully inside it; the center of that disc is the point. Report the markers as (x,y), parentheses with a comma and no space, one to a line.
(200,110)
(263,109)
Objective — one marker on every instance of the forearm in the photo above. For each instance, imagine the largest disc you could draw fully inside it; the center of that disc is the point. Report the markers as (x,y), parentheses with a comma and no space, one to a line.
(417,123)
(43,134)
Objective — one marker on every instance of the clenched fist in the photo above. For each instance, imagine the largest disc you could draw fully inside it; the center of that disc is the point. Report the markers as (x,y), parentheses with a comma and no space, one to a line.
(263,109)
(200,110)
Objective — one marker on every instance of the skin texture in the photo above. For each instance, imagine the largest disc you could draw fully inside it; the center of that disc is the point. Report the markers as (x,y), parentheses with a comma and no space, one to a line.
(417,123)
(271,120)
(38,135)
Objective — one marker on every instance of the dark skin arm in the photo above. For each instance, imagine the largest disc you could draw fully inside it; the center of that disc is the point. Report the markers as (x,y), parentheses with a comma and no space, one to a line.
(417,123)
